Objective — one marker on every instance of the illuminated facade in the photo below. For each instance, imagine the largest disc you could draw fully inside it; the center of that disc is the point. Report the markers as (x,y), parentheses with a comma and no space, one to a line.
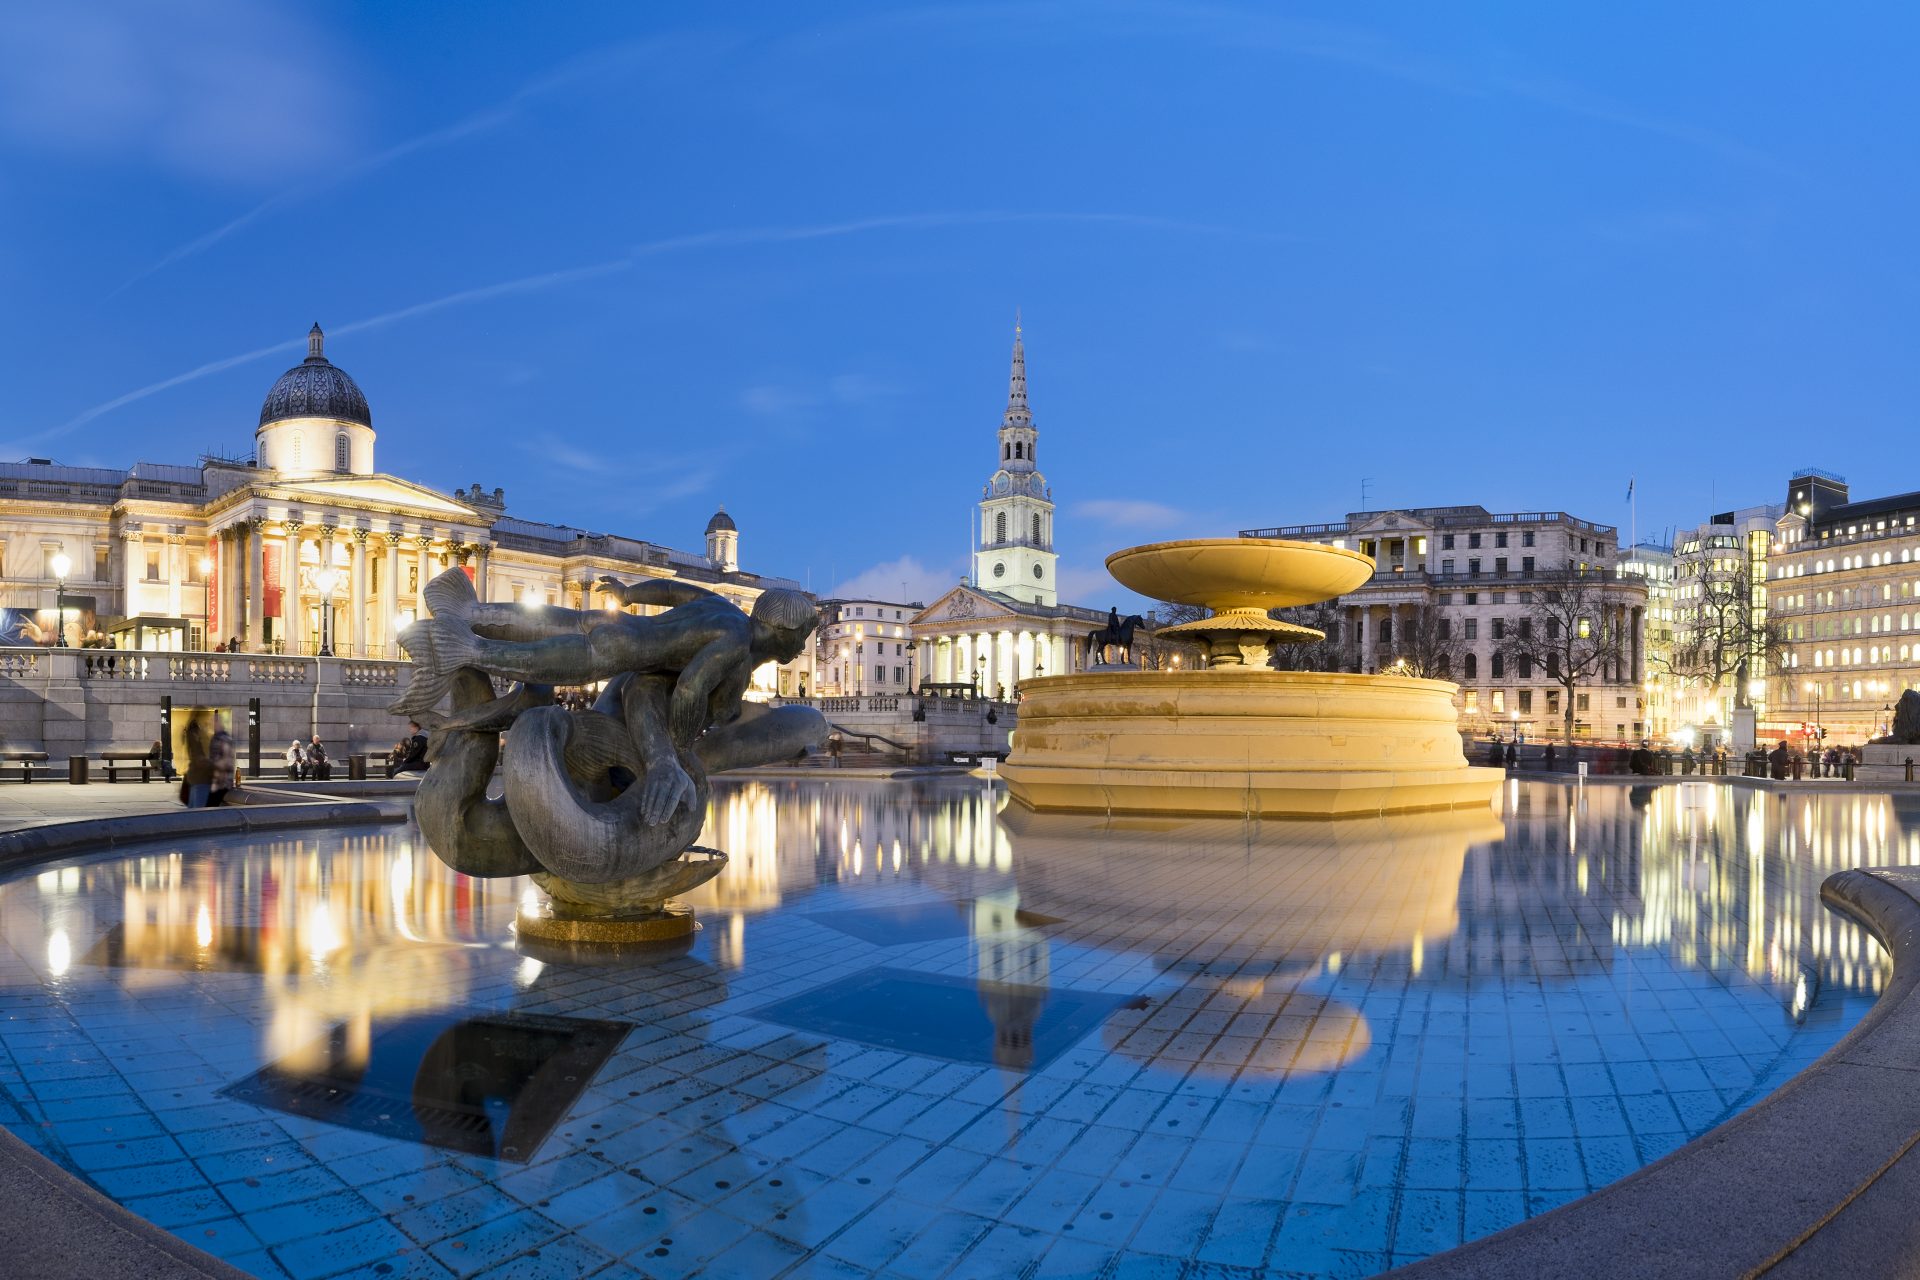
(301,547)
(1476,570)
(1720,620)
(1844,589)
(1653,565)
(865,646)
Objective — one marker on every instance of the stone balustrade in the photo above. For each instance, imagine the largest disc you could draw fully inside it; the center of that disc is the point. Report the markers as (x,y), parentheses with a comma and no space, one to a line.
(69,701)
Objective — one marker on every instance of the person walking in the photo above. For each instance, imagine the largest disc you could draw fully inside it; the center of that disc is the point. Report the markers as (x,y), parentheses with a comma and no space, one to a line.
(196,784)
(220,756)
(1513,756)
(1553,758)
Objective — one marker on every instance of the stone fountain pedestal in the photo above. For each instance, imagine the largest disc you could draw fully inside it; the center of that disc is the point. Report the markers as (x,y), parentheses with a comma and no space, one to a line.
(1239,738)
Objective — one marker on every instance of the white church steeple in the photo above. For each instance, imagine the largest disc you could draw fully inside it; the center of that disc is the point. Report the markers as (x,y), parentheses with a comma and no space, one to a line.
(1015,553)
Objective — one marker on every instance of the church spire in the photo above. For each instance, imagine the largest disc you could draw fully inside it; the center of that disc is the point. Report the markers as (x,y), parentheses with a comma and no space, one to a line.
(1017,414)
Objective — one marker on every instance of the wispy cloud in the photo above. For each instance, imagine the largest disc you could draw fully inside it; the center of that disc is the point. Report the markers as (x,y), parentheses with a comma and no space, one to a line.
(901,581)
(1128,513)
(212,89)
(546,280)
(572,72)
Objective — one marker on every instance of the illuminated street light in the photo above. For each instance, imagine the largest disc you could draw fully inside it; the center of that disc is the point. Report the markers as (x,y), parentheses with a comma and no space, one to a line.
(326,580)
(62,566)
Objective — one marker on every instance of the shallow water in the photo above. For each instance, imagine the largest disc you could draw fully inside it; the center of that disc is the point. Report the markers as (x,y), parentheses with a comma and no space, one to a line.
(922,1036)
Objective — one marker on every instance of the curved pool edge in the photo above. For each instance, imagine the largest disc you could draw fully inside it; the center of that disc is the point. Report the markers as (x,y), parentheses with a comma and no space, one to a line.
(1816,1179)
(57,1227)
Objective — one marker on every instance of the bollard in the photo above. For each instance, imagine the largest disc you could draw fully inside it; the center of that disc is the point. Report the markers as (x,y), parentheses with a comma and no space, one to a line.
(1909,768)
(77,770)
(356,768)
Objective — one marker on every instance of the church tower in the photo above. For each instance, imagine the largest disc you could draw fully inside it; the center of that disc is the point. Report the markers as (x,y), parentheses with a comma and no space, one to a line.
(1014,553)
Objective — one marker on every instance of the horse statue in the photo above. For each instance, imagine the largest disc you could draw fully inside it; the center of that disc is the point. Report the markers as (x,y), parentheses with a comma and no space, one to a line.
(1117,634)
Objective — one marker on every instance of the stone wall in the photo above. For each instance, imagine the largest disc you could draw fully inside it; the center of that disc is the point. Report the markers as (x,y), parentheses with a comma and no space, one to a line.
(72,701)
(950,725)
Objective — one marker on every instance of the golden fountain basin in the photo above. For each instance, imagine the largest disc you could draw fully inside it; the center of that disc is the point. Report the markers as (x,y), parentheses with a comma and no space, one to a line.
(1240,573)
(1241,742)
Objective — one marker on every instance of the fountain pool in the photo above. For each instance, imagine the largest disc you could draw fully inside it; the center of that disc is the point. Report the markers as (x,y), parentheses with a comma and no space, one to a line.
(924,1034)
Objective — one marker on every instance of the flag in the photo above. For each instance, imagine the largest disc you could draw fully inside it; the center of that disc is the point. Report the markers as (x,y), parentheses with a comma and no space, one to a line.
(1629,488)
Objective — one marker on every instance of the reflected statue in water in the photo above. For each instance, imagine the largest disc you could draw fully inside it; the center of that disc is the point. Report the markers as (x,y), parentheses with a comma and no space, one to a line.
(601,807)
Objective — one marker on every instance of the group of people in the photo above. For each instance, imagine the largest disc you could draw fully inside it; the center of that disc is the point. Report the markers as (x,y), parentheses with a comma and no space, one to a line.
(229,645)
(1834,762)
(308,760)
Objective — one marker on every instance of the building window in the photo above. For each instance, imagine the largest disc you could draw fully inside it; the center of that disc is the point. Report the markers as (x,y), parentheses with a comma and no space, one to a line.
(1473,542)
(1446,566)
(342,453)
(1500,565)
(1526,537)
(153,565)
(1036,528)
(195,574)
(1580,702)
(1473,597)
(1473,567)
(1446,542)
(1499,628)
(296,451)
(1473,628)
(1500,539)
(1526,670)
(1526,565)
(102,571)
(1499,666)
(1000,527)
(1471,666)
(1499,700)
(1473,698)
(1526,700)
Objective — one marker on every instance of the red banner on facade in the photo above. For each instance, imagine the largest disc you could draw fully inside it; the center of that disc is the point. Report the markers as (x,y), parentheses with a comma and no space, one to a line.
(469,571)
(270,597)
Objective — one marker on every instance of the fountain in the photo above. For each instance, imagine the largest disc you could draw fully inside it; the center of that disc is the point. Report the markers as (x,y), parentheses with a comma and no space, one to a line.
(1239,737)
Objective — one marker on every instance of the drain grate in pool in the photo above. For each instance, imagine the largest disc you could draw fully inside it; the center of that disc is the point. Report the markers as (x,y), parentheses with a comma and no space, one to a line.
(494,1085)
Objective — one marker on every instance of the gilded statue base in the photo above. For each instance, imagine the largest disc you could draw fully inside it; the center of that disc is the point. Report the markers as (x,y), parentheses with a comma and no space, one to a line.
(672,922)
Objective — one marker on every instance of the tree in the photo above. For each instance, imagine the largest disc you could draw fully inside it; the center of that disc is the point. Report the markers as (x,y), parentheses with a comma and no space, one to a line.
(1568,630)
(1720,635)
(1423,644)
(1314,655)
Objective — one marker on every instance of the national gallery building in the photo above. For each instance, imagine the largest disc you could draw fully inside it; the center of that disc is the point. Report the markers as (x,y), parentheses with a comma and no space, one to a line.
(304,548)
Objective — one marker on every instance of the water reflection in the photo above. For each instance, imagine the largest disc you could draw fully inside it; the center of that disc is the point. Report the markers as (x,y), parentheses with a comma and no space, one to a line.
(1562,990)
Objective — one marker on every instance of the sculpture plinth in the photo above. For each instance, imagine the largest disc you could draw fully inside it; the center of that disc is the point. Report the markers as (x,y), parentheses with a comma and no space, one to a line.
(1239,738)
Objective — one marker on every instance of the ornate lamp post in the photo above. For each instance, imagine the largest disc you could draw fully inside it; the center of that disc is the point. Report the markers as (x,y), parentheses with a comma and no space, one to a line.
(62,566)
(979,674)
(326,580)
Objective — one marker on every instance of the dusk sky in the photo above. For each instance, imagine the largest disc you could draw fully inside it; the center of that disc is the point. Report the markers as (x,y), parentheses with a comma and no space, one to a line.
(631,261)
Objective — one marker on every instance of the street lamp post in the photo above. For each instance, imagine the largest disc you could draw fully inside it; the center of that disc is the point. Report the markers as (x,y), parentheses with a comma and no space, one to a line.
(62,566)
(979,674)
(326,580)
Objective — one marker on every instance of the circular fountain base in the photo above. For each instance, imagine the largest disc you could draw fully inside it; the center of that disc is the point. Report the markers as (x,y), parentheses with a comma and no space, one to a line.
(1241,742)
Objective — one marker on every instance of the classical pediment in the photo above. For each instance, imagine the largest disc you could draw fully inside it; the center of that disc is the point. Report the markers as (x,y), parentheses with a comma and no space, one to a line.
(379,493)
(962,604)
(1392,523)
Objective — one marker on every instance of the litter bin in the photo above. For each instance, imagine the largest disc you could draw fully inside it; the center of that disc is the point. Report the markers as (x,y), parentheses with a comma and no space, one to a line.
(77,770)
(356,768)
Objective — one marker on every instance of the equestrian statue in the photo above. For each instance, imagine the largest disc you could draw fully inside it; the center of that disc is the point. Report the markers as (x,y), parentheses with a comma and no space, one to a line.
(1117,635)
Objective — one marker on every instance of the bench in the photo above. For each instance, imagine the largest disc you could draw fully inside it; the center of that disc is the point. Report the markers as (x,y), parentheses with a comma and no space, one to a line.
(27,760)
(118,760)
(974,757)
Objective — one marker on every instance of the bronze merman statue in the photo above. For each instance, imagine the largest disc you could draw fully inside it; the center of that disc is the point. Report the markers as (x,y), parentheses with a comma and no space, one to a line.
(599,805)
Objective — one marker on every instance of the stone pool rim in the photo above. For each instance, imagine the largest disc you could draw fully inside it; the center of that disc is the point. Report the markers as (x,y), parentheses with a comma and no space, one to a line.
(1816,1175)
(1814,1179)
(58,1227)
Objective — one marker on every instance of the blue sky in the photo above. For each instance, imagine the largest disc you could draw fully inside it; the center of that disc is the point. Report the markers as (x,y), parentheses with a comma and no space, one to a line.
(630,261)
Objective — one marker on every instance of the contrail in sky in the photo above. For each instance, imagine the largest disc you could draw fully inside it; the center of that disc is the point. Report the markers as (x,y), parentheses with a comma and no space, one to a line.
(718,239)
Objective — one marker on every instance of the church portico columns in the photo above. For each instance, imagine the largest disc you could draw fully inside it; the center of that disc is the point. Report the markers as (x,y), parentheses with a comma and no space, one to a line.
(390,593)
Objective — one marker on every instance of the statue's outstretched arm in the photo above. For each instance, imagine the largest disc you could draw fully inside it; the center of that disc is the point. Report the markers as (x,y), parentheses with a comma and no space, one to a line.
(663,592)
(666,786)
(691,707)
